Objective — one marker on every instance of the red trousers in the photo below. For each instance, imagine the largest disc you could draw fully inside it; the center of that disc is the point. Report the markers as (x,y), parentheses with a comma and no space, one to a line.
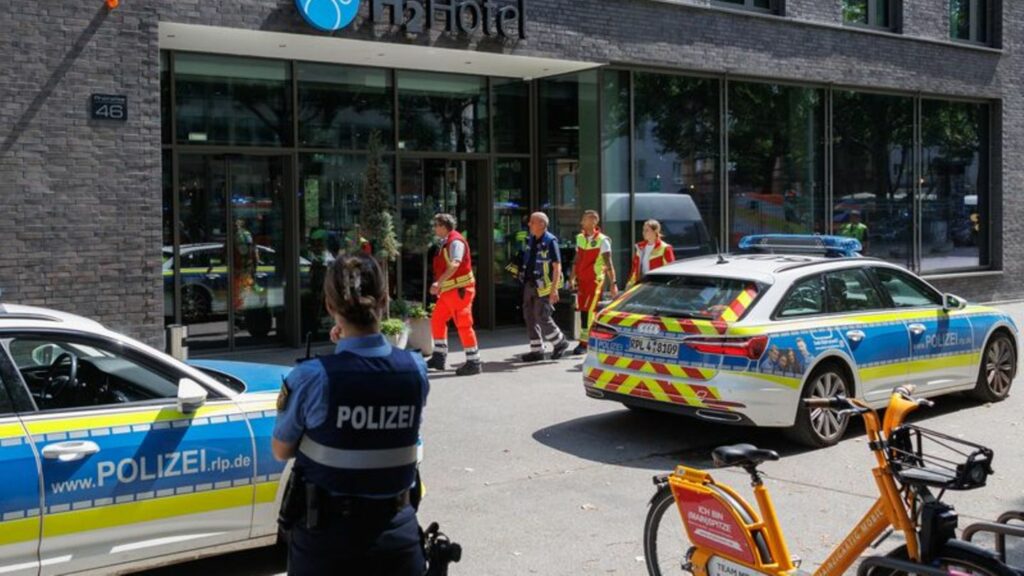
(450,305)
(588,294)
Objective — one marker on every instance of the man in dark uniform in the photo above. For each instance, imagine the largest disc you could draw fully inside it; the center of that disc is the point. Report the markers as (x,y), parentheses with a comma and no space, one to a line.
(351,420)
(541,276)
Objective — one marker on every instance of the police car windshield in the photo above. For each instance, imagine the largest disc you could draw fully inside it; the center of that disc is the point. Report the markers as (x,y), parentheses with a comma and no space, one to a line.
(699,297)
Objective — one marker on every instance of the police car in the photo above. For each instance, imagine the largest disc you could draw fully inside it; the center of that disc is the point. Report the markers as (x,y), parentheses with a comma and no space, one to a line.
(741,338)
(117,457)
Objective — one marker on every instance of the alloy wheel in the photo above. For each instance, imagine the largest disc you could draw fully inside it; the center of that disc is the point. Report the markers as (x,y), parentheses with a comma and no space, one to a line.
(827,423)
(999,367)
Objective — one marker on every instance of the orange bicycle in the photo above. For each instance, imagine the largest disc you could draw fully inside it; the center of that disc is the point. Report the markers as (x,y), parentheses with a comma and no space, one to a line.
(728,537)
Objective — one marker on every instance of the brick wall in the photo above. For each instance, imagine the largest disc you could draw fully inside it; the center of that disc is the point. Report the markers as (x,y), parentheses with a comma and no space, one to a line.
(80,200)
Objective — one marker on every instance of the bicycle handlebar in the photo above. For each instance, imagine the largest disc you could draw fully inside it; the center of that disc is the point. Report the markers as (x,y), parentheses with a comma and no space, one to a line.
(845,404)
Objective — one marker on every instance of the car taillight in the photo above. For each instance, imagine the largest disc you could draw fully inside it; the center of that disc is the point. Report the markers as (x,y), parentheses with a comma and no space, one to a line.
(751,348)
(602,332)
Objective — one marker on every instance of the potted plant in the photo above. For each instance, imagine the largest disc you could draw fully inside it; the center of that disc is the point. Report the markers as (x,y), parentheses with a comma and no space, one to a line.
(396,331)
(376,213)
(421,336)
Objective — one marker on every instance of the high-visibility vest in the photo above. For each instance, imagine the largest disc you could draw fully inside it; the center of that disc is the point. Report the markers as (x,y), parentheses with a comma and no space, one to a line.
(589,265)
(463,277)
(367,444)
(542,267)
(851,230)
(660,255)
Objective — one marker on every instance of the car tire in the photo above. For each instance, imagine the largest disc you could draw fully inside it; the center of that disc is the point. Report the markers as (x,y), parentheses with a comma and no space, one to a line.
(820,428)
(195,305)
(996,370)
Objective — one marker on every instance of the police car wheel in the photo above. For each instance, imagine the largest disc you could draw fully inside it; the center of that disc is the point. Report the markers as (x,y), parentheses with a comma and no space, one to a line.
(997,369)
(819,428)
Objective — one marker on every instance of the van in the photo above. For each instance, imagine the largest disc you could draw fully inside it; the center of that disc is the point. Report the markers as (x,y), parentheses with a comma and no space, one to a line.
(681,223)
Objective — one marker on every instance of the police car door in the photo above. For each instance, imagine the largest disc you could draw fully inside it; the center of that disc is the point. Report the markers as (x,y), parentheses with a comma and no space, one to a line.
(941,342)
(126,474)
(19,493)
(877,341)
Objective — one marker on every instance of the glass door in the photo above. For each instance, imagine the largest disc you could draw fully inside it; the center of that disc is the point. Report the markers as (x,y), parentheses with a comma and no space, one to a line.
(458,187)
(511,209)
(232,254)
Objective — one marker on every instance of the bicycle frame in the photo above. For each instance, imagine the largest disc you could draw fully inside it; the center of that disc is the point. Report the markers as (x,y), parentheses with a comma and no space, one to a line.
(728,535)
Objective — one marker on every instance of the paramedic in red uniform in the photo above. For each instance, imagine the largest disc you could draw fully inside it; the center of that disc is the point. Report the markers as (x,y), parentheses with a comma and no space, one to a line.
(593,264)
(455,287)
(650,254)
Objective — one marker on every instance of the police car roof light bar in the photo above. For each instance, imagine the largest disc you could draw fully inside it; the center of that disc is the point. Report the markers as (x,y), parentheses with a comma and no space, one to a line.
(830,246)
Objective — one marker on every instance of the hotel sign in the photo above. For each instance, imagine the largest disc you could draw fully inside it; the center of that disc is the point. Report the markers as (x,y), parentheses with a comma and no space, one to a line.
(458,17)
(493,18)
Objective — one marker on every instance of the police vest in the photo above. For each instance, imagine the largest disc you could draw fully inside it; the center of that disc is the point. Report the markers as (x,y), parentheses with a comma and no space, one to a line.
(463,277)
(542,266)
(367,444)
(589,263)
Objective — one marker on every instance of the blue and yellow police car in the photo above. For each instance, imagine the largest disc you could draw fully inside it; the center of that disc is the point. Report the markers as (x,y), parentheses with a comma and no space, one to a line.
(117,457)
(741,338)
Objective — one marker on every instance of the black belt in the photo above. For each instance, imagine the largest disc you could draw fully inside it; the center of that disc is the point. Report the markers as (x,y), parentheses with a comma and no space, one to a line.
(346,506)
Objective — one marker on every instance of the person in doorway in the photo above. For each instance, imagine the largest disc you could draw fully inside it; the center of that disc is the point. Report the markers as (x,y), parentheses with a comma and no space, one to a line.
(650,254)
(854,228)
(455,288)
(541,276)
(593,261)
(347,505)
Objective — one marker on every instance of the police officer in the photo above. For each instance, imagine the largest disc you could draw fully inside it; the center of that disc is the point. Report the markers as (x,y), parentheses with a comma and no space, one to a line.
(541,276)
(854,228)
(351,420)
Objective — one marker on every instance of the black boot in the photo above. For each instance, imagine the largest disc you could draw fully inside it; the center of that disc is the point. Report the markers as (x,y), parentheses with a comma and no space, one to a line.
(437,361)
(533,356)
(470,368)
(560,349)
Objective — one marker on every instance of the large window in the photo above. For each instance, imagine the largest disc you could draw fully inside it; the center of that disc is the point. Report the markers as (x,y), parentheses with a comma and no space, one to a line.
(442,112)
(615,160)
(765,5)
(339,106)
(511,115)
(876,13)
(225,100)
(954,185)
(677,143)
(873,172)
(776,159)
(969,20)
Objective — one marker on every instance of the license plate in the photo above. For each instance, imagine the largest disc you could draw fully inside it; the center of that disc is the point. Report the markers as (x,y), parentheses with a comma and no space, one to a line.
(653,347)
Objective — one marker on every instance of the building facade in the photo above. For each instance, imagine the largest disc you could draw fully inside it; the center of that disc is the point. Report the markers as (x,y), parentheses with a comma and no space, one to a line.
(171,161)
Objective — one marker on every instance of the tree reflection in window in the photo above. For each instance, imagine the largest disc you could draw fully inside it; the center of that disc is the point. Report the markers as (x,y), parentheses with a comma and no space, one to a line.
(776,159)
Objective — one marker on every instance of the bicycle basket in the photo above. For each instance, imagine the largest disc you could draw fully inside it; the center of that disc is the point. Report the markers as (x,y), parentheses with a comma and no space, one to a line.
(924,457)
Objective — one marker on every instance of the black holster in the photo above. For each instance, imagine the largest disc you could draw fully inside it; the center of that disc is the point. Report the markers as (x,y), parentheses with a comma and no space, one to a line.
(293,503)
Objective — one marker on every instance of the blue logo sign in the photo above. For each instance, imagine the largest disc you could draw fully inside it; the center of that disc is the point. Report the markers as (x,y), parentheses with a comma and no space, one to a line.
(328,15)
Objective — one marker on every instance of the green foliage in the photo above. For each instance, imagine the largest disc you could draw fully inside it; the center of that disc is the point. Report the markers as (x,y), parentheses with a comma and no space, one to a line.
(399,309)
(392,327)
(377,221)
(418,312)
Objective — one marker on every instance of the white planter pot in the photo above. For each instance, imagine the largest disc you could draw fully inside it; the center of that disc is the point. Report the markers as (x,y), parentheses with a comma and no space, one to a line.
(420,336)
(399,340)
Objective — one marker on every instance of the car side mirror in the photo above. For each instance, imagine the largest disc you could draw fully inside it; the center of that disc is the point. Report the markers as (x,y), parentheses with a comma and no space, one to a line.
(953,302)
(191,396)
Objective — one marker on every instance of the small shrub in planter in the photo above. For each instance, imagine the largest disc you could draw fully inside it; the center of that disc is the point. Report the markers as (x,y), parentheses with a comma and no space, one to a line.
(396,331)
(420,334)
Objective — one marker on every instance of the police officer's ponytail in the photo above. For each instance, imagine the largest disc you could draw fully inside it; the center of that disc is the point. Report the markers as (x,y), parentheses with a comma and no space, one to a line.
(354,289)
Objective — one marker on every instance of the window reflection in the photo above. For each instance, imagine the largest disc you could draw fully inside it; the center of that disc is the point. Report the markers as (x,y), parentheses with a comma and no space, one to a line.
(954,186)
(677,149)
(442,112)
(339,106)
(511,115)
(228,100)
(330,187)
(511,209)
(615,159)
(776,166)
(873,172)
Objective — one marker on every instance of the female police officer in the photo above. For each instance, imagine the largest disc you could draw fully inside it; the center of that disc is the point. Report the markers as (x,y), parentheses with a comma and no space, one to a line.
(351,420)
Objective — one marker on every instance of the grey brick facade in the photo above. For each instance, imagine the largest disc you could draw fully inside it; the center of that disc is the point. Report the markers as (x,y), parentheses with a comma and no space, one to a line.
(81,200)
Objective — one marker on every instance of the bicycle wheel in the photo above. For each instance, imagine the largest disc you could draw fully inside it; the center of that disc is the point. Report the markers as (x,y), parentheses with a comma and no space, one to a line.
(665,541)
(958,559)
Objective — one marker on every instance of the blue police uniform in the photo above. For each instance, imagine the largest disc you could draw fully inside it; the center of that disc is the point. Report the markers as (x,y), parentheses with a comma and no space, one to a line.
(355,416)
(539,280)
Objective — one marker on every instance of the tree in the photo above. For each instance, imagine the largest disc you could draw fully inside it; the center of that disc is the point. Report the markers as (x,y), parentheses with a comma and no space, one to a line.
(376,214)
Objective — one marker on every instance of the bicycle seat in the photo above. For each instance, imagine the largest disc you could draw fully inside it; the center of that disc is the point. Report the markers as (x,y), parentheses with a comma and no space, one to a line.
(741,455)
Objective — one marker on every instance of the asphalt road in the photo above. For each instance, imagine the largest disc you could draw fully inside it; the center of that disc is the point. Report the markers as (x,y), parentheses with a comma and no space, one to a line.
(532,477)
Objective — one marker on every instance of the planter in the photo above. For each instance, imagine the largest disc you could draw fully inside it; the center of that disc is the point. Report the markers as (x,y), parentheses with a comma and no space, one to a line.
(399,340)
(420,336)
